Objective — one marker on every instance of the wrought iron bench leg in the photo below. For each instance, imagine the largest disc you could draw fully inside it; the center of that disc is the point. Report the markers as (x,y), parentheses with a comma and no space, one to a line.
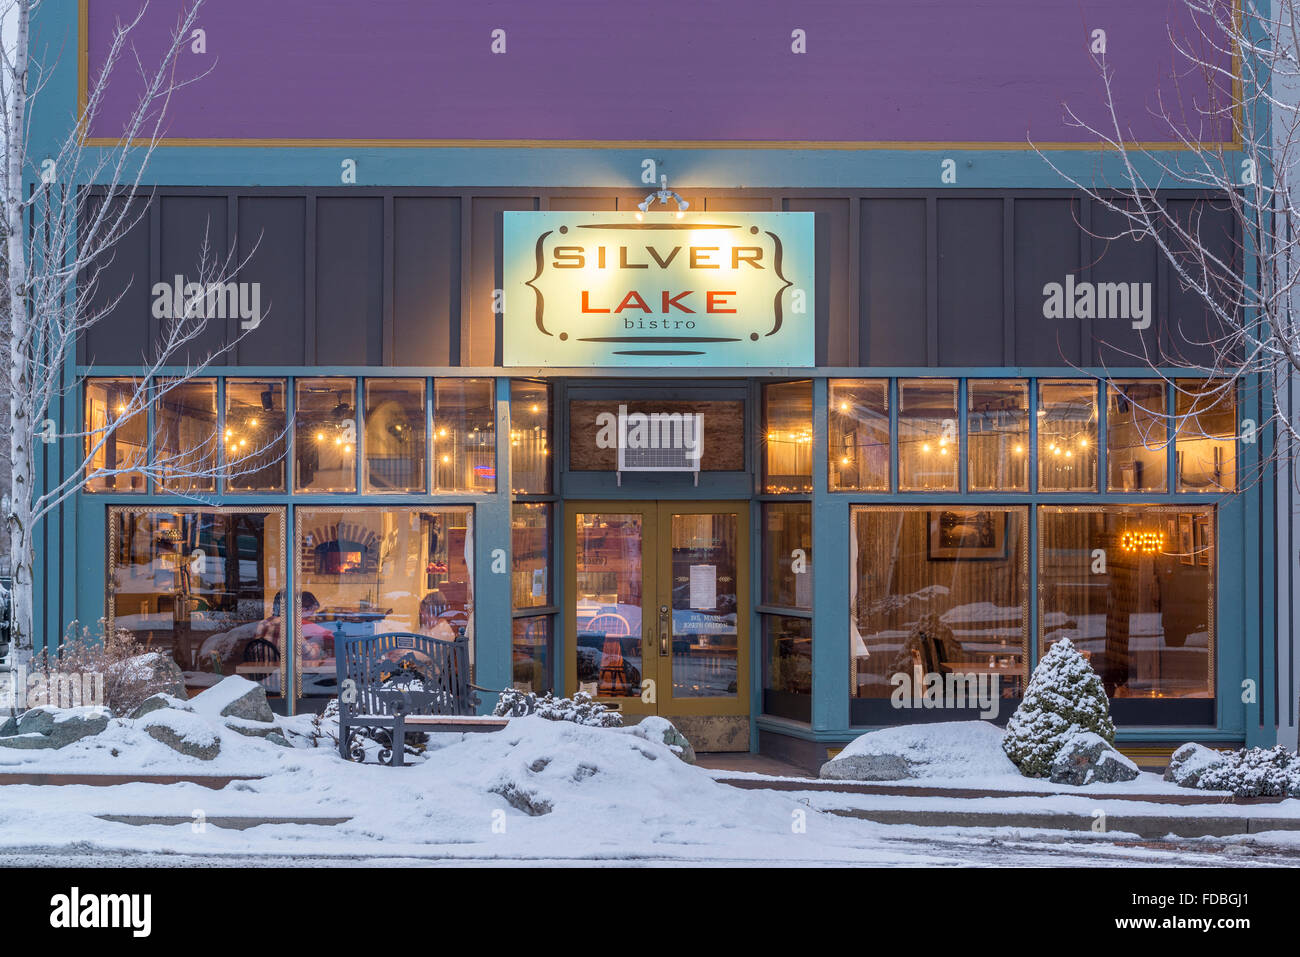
(399,742)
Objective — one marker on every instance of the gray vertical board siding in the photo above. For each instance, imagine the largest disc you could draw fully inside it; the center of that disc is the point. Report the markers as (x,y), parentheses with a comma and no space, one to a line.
(123,274)
(272,237)
(837,341)
(481,329)
(970,282)
(349,280)
(406,276)
(426,281)
(893,278)
(1193,327)
(1046,250)
(186,224)
(1117,257)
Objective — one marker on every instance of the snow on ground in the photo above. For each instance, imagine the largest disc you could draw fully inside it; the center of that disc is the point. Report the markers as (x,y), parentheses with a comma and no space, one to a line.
(538,790)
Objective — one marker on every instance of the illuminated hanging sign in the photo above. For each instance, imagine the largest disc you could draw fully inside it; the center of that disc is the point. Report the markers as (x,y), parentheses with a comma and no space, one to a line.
(658,289)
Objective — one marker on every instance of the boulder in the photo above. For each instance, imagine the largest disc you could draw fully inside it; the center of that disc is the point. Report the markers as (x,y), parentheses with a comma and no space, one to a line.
(867,767)
(148,674)
(1087,758)
(940,750)
(234,697)
(54,727)
(1188,763)
(158,702)
(655,728)
(183,732)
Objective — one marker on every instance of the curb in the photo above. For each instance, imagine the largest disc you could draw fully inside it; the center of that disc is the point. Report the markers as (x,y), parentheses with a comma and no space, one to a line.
(1143,825)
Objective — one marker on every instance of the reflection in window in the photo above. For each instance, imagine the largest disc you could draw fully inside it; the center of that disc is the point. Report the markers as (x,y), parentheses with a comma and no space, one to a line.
(367,571)
(255,439)
(859,434)
(787,554)
(530,541)
(787,644)
(927,434)
(464,436)
(705,642)
(203,586)
(1206,446)
(1144,619)
(325,434)
(1137,438)
(787,428)
(997,435)
(116,453)
(395,442)
(532,648)
(530,436)
(937,591)
(1067,436)
(185,434)
(608,603)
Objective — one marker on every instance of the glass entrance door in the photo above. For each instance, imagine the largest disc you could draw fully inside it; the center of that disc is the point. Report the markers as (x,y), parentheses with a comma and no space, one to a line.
(657,607)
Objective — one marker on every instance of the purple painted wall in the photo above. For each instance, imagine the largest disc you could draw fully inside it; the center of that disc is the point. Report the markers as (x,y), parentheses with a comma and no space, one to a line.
(675,70)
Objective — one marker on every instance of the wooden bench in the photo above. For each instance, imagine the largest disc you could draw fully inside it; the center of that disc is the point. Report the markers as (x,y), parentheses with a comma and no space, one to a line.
(400,681)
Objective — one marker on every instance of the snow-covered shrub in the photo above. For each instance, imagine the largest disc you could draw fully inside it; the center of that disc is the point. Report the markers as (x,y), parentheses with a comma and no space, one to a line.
(1255,772)
(1065,696)
(580,709)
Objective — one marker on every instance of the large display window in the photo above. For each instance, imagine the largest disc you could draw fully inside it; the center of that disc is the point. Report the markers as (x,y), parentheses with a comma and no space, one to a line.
(938,599)
(1133,588)
(204,587)
(371,570)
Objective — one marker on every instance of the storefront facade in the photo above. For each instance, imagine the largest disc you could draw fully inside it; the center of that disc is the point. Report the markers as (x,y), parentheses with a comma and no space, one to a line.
(941,455)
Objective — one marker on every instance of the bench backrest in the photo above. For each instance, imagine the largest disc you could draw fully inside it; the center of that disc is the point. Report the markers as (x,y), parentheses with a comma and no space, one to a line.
(419,674)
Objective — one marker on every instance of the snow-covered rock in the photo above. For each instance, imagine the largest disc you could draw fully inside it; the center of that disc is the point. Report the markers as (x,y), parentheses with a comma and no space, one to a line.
(1188,763)
(53,728)
(159,701)
(183,731)
(234,697)
(950,749)
(1065,697)
(1088,758)
(655,728)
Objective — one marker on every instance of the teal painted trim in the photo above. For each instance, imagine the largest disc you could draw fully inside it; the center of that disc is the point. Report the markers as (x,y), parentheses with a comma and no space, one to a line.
(492,621)
(830,648)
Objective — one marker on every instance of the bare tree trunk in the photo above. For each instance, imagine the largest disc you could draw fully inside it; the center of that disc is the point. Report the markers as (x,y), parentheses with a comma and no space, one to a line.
(20,428)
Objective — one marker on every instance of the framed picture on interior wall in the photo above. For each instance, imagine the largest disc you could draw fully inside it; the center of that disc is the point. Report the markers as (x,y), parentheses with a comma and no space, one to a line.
(1204,541)
(1186,540)
(966,534)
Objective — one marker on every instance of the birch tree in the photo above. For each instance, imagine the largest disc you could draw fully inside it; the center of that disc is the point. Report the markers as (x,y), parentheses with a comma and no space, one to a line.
(63,213)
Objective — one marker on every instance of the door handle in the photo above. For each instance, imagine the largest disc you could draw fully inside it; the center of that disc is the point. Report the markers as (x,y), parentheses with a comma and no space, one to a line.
(664,625)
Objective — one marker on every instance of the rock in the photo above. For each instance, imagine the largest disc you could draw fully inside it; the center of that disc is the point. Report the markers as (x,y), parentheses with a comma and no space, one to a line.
(158,702)
(252,729)
(235,697)
(866,767)
(183,732)
(9,727)
(275,737)
(151,673)
(655,728)
(54,727)
(1188,763)
(945,749)
(1087,758)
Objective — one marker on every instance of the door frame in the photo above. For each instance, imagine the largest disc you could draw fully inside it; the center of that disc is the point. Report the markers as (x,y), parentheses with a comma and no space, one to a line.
(656,590)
